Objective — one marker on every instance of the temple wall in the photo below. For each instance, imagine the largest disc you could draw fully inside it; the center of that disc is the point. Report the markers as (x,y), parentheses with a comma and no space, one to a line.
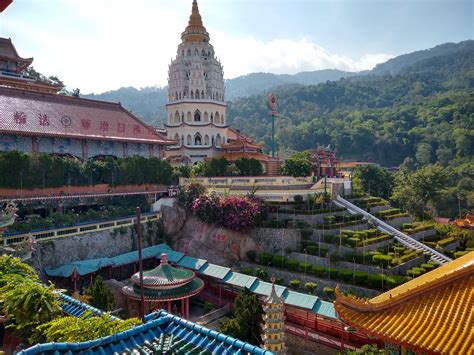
(73,147)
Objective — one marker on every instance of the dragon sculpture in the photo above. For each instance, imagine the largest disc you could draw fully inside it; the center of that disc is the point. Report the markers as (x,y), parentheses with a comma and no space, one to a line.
(7,218)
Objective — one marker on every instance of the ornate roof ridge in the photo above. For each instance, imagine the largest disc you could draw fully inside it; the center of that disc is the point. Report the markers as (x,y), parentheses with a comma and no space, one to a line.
(445,274)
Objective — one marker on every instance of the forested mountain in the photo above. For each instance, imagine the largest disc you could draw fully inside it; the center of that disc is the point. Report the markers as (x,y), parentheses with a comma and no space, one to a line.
(426,111)
(255,83)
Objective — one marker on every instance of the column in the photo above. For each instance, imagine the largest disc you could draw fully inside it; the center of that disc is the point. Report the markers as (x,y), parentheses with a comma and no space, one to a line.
(169,306)
(182,308)
(187,309)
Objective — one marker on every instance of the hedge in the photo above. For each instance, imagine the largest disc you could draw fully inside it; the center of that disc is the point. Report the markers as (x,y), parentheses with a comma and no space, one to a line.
(279,261)
(305,266)
(247,271)
(376,240)
(306,233)
(333,273)
(295,284)
(382,259)
(346,275)
(446,241)
(266,258)
(360,276)
(328,238)
(292,264)
(314,250)
(318,270)
(329,291)
(353,242)
(374,280)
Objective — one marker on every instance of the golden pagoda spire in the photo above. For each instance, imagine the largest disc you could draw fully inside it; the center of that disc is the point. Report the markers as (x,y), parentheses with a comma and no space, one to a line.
(195,31)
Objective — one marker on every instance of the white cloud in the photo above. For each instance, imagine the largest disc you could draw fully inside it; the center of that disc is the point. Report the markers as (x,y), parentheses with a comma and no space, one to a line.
(97,49)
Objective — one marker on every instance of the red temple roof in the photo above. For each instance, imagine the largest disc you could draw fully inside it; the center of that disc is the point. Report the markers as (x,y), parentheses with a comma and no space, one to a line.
(8,51)
(33,113)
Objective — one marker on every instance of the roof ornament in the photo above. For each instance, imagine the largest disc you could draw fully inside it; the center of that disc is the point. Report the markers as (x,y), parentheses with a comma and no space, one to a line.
(164,259)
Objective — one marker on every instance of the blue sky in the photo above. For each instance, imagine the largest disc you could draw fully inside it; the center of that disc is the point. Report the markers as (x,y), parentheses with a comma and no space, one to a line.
(100,45)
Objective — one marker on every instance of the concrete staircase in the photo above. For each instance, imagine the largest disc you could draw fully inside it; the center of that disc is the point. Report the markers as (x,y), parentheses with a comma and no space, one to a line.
(402,238)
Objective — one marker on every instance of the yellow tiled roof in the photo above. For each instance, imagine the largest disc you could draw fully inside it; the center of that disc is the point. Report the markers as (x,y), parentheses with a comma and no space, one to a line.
(432,313)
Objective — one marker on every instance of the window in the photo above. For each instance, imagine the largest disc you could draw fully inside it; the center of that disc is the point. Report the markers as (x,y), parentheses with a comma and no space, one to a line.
(197,116)
(206,140)
(197,139)
(189,140)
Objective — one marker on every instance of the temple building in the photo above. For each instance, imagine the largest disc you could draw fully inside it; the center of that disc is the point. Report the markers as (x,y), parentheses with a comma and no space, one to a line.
(35,118)
(431,314)
(196,103)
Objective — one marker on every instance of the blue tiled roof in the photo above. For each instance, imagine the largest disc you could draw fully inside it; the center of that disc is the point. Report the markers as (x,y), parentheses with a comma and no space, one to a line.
(77,308)
(182,336)
(192,263)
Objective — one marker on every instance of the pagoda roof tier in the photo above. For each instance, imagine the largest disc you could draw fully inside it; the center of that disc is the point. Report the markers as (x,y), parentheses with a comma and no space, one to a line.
(32,113)
(195,31)
(20,81)
(235,156)
(431,313)
(162,295)
(241,144)
(8,52)
(164,276)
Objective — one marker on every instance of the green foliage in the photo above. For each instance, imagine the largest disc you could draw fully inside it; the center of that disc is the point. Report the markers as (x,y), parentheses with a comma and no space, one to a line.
(20,170)
(295,284)
(101,297)
(329,291)
(305,266)
(246,323)
(10,265)
(311,287)
(216,167)
(346,275)
(247,271)
(333,273)
(74,329)
(252,255)
(367,349)
(261,273)
(28,305)
(249,167)
(298,165)
(360,277)
(318,270)
(381,259)
(279,261)
(189,193)
(374,180)
(266,258)
(292,264)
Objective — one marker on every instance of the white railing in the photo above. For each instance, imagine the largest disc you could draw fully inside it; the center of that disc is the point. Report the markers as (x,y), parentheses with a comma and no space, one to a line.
(98,226)
(403,238)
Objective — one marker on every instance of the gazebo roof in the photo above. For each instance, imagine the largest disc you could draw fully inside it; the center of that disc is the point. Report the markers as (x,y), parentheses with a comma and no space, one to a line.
(162,295)
(164,276)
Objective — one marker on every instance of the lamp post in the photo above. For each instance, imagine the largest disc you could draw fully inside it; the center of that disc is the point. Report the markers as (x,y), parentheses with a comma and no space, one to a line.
(272,102)
(305,256)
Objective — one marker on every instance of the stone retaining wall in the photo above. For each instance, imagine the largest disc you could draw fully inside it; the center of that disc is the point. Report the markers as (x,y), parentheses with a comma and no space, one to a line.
(287,276)
(423,234)
(396,270)
(344,249)
(356,227)
(399,222)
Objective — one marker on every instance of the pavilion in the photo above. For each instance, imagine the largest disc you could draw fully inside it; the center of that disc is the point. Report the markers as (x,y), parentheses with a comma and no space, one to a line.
(431,314)
(165,284)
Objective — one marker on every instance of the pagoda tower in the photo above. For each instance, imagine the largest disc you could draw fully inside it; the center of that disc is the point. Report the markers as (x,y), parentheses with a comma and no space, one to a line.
(196,107)
(274,323)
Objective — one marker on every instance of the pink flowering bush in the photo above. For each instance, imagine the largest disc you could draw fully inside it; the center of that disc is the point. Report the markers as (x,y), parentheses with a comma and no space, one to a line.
(232,212)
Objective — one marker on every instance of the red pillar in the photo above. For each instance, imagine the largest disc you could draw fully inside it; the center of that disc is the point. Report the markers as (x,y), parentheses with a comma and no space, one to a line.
(342,336)
(187,308)
(169,307)
(182,308)
(220,294)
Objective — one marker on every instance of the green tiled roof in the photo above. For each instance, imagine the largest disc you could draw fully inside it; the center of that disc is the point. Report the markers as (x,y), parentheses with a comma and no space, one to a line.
(192,263)
(299,299)
(325,308)
(190,289)
(265,288)
(163,275)
(219,272)
(237,279)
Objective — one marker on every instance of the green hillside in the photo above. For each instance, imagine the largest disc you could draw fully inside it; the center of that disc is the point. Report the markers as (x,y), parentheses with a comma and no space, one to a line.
(426,111)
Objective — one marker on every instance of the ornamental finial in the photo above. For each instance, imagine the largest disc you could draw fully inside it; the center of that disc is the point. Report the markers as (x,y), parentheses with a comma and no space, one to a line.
(164,259)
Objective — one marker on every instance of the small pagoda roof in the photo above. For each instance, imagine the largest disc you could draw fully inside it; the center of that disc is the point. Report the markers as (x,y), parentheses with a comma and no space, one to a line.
(430,314)
(164,276)
(235,156)
(9,52)
(187,290)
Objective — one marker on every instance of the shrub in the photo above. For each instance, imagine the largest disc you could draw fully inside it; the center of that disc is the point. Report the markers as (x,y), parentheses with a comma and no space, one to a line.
(246,271)
(239,213)
(306,233)
(378,239)
(340,239)
(318,270)
(266,258)
(354,256)
(298,199)
(305,266)
(206,208)
(353,242)
(346,275)
(394,281)
(348,232)
(414,273)
(374,280)
(360,276)
(371,232)
(407,226)
(323,250)
(329,219)
(292,264)
(279,261)
(329,291)
(335,256)
(328,238)
(312,249)
(261,273)
(252,255)
(295,284)
(279,281)
(381,259)
(311,287)
(427,266)
(333,273)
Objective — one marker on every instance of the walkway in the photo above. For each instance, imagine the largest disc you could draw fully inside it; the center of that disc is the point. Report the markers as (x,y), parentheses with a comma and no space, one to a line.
(403,238)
